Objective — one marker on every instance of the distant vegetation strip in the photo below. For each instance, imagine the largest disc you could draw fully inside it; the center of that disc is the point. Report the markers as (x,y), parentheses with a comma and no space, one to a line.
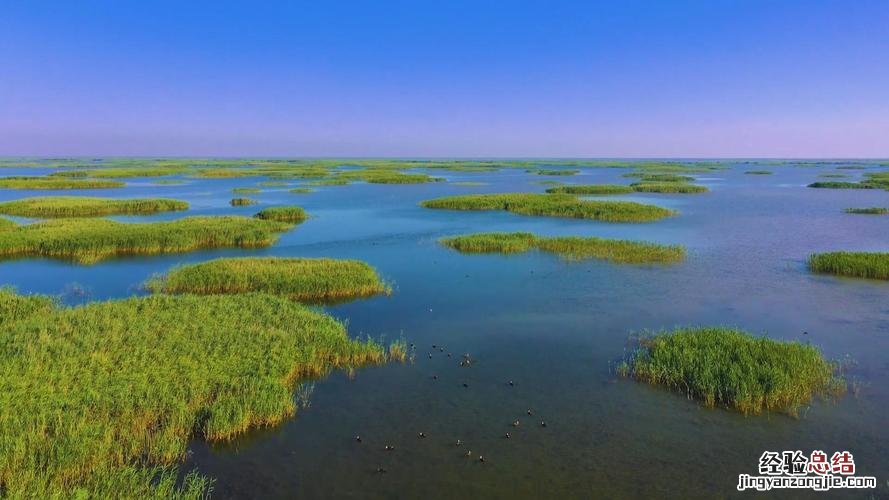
(553,205)
(873,265)
(56,183)
(102,400)
(730,368)
(302,279)
(87,241)
(868,211)
(568,247)
(81,206)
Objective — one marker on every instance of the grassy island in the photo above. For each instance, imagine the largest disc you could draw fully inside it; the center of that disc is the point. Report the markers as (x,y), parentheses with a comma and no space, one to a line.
(87,241)
(94,415)
(733,369)
(240,202)
(591,189)
(81,206)
(568,247)
(868,211)
(283,214)
(873,265)
(49,182)
(553,205)
(308,280)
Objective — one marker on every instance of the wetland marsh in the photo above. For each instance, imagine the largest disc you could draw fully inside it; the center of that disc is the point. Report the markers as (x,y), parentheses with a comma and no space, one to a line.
(167,349)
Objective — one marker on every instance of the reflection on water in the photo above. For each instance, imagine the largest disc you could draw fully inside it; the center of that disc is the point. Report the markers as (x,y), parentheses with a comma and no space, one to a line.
(554,329)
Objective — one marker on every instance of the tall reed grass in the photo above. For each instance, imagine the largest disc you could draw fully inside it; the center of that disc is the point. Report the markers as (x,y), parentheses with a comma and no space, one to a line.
(81,206)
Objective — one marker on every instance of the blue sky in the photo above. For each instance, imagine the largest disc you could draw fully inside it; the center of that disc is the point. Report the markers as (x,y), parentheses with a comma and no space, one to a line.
(453,78)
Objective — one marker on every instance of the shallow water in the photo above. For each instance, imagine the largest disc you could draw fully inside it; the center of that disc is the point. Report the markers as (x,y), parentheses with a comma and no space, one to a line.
(554,328)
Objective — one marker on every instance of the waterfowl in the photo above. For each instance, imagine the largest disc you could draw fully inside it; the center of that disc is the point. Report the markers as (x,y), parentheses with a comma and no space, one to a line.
(465,384)
(430,356)
(511,383)
(358,438)
(380,470)
(507,436)
(515,424)
(530,412)
(469,453)
(389,447)
(481,458)
(435,377)
(421,435)
(459,442)
(542,424)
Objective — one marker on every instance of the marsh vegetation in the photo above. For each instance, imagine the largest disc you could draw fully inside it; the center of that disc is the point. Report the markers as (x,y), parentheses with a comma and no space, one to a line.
(568,247)
(306,280)
(81,206)
(91,415)
(48,182)
(87,241)
(283,214)
(730,368)
(873,265)
(553,205)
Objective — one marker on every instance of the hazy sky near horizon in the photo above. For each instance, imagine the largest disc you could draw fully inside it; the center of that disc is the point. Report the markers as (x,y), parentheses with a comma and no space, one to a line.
(452,78)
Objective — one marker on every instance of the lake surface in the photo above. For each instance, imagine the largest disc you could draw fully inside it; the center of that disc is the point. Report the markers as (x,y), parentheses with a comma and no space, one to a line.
(553,328)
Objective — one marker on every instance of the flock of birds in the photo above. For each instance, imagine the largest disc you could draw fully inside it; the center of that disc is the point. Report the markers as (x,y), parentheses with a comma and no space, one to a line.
(465,362)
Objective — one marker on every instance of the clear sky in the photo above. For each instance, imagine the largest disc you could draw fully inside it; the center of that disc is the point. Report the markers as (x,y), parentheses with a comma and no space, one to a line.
(445,78)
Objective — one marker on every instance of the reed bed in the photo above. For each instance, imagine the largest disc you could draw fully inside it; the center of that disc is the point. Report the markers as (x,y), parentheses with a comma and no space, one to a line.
(82,206)
(840,185)
(646,177)
(301,190)
(668,187)
(733,369)
(758,172)
(305,280)
(283,214)
(241,202)
(48,182)
(273,184)
(246,190)
(110,415)
(581,189)
(868,211)
(87,241)
(125,172)
(553,205)
(568,247)
(873,265)
(555,171)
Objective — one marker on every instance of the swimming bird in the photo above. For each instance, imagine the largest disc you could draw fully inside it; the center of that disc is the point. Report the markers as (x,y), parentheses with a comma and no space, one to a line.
(358,438)
(430,356)
(389,447)
(507,436)
(515,424)
(481,458)
(381,470)
(435,377)
(465,384)
(459,442)
(530,412)
(469,453)
(511,383)
(421,435)
(542,424)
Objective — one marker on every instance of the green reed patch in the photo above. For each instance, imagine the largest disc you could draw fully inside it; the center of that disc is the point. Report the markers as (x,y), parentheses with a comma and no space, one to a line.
(833,176)
(283,214)
(592,189)
(246,190)
(553,205)
(307,280)
(301,190)
(101,400)
(82,206)
(56,183)
(87,241)
(868,211)
(668,187)
(568,247)
(759,172)
(840,185)
(733,369)
(873,265)
(555,171)
(273,184)
(125,172)
(6,224)
(646,177)
(240,202)
(469,183)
